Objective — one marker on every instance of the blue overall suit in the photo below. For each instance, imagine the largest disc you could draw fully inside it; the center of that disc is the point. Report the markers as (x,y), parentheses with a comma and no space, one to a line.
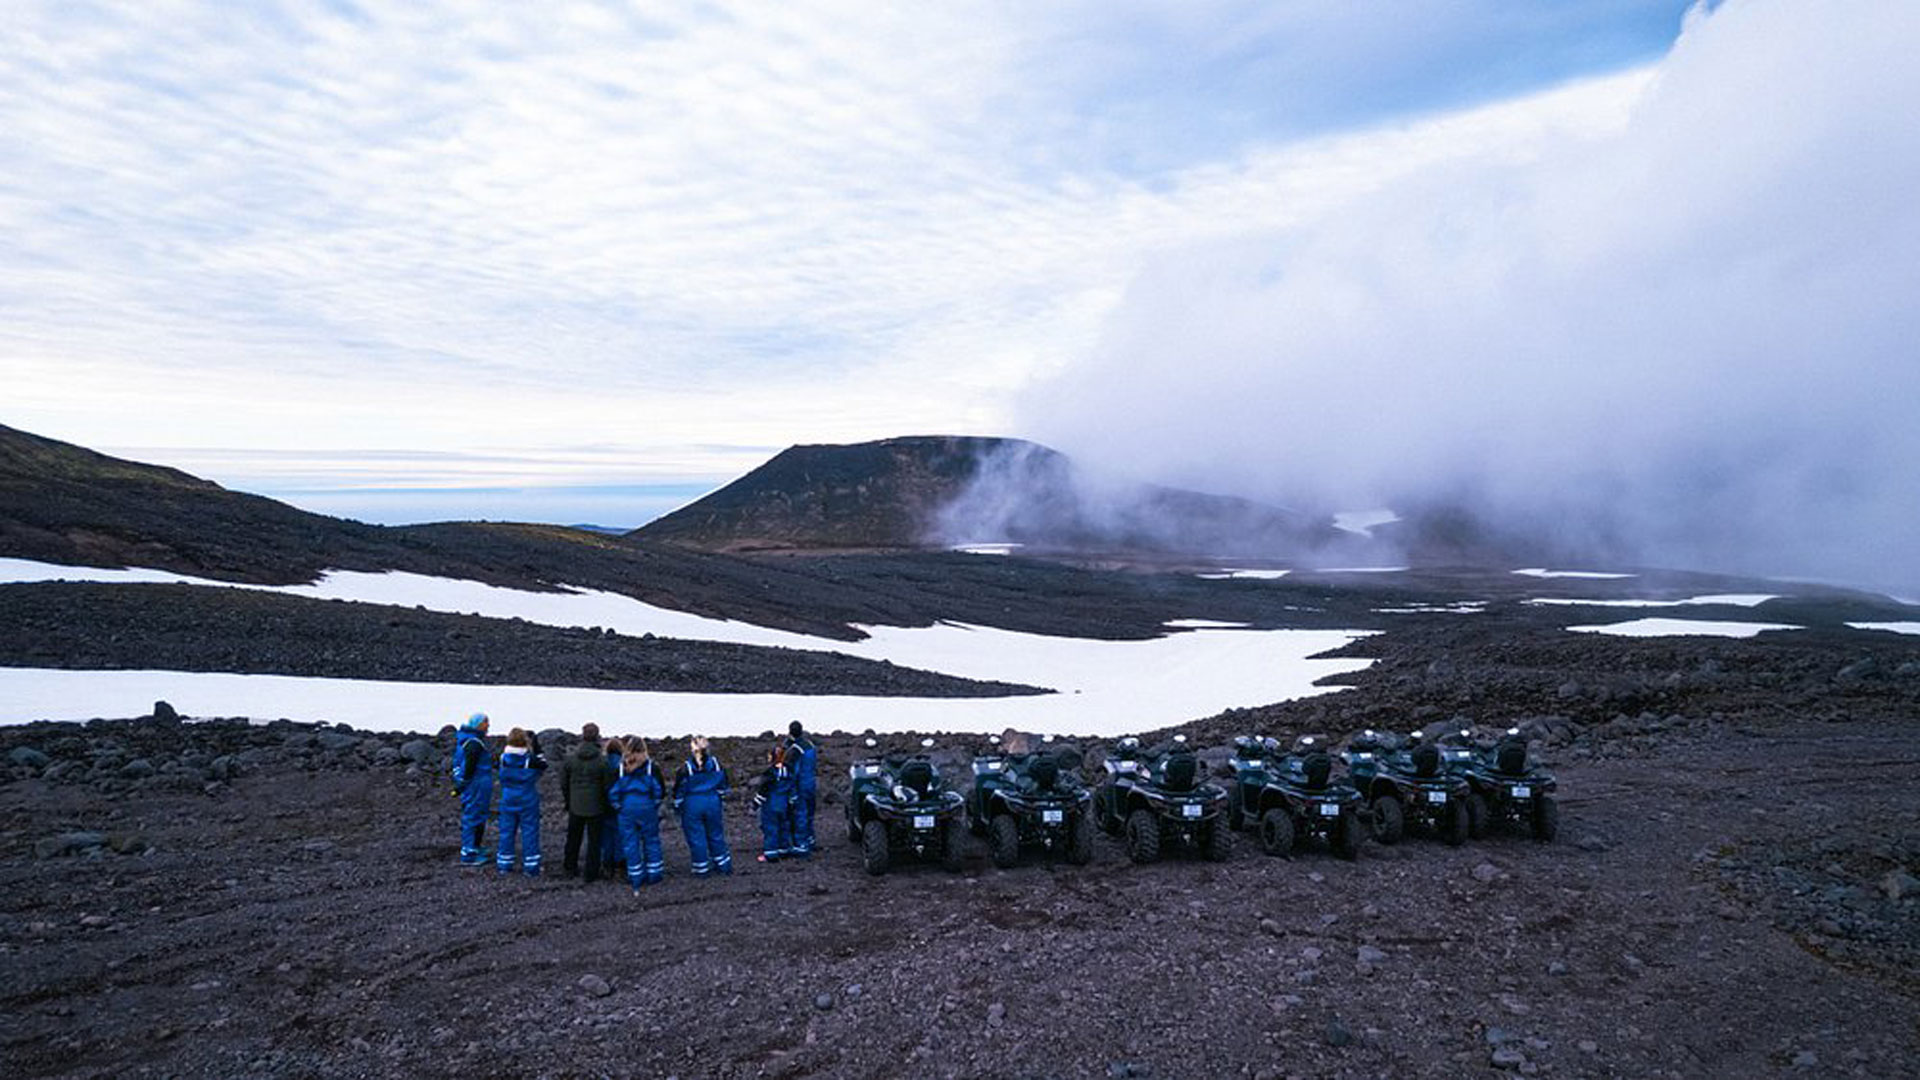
(520,810)
(610,849)
(473,782)
(637,796)
(777,799)
(696,795)
(806,764)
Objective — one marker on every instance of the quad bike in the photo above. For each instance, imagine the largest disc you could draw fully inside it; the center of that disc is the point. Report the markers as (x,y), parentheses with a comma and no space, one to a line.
(898,807)
(1504,786)
(1289,797)
(1155,798)
(1031,799)
(1408,785)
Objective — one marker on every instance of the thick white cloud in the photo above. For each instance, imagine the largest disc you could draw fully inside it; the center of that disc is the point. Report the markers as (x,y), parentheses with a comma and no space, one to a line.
(429,226)
(1688,338)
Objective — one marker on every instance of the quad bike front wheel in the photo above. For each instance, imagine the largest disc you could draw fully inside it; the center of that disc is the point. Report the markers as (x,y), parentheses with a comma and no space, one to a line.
(875,848)
(1546,819)
(1143,836)
(1389,820)
(1276,832)
(1347,836)
(1003,834)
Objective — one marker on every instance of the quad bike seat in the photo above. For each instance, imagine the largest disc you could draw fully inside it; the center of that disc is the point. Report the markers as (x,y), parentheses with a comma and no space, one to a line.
(1511,756)
(917,776)
(1426,760)
(1044,772)
(1317,768)
(1183,770)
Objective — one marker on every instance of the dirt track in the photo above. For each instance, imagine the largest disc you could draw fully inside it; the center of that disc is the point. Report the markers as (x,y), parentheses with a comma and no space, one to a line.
(1716,909)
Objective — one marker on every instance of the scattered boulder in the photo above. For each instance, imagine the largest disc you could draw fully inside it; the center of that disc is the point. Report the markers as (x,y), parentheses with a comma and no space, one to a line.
(70,843)
(28,757)
(165,713)
(595,985)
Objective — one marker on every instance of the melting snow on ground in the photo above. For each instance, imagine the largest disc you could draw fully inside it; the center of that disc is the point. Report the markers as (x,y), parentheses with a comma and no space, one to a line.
(1543,572)
(1728,599)
(1896,627)
(987,549)
(1106,687)
(1464,607)
(1258,575)
(1672,627)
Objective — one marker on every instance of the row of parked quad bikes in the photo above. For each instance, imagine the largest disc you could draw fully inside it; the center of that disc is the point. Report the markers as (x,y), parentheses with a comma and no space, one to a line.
(1454,787)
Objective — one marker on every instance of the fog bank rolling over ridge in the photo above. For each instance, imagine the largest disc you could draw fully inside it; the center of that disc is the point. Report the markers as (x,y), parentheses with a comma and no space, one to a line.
(1685,339)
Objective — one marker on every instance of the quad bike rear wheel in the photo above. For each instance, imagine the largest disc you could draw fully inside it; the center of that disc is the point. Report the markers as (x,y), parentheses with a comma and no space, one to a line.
(1457,825)
(1003,834)
(1477,819)
(875,849)
(1143,836)
(1389,820)
(1546,819)
(1080,841)
(1216,842)
(1347,836)
(953,844)
(1276,832)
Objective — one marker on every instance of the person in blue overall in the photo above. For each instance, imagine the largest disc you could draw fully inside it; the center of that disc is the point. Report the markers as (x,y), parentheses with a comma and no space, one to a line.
(638,794)
(698,786)
(775,798)
(612,853)
(804,755)
(473,784)
(520,768)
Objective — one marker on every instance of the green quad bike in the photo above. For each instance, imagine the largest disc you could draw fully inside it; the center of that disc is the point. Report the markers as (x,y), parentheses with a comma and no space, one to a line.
(899,808)
(1158,797)
(1288,798)
(1408,785)
(1031,800)
(1505,787)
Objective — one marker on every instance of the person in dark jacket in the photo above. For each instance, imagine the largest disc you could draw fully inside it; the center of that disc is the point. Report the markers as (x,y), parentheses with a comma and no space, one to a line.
(584,780)
(698,786)
(803,754)
(520,768)
(774,795)
(638,793)
(473,783)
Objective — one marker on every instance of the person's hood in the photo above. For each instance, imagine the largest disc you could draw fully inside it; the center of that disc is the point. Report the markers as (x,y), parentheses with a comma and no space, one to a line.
(587,751)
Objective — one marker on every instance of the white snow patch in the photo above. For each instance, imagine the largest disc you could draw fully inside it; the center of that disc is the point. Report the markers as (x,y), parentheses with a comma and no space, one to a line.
(1203,624)
(1896,627)
(1464,607)
(1363,522)
(1729,599)
(1106,687)
(1259,575)
(1361,570)
(1672,627)
(987,549)
(1543,572)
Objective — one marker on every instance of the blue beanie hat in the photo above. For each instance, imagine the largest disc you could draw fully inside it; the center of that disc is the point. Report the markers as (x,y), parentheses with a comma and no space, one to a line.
(473,722)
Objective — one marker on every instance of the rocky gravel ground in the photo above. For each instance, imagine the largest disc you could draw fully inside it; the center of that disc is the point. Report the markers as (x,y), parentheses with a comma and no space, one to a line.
(232,899)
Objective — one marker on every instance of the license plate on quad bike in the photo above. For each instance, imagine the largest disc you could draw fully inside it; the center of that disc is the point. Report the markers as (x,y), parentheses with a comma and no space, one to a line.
(1052,817)
(1328,809)
(1190,810)
(1523,793)
(1436,796)
(923,821)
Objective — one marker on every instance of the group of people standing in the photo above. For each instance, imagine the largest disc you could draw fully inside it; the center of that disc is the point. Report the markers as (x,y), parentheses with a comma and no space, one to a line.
(614,793)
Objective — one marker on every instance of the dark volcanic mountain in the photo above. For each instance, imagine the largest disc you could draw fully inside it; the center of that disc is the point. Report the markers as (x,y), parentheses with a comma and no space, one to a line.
(930,491)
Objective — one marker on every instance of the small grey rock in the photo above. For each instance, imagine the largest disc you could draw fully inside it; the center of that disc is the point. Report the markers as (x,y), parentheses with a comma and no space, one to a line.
(996,1014)
(1486,872)
(1506,1057)
(1806,1059)
(418,751)
(823,1002)
(595,985)
(1367,954)
(137,769)
(1337,1034)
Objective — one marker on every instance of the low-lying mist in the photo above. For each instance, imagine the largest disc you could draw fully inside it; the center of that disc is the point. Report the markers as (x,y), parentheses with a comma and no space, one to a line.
(1690,341)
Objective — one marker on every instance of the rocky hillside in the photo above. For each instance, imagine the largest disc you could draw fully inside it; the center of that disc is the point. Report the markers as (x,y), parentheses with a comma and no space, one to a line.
(926,491)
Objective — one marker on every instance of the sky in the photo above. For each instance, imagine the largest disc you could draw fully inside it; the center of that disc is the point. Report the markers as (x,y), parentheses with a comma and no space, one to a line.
(582,262)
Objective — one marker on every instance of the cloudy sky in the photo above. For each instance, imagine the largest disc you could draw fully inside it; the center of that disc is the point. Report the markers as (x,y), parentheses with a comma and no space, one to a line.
(583,261)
